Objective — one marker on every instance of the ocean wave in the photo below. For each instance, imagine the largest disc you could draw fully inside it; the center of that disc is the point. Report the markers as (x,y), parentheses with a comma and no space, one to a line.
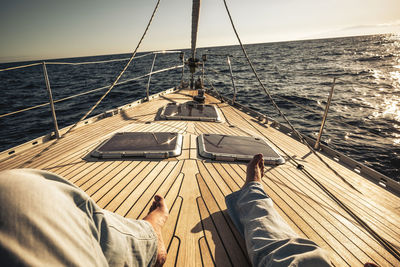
(375,57)
(299,74)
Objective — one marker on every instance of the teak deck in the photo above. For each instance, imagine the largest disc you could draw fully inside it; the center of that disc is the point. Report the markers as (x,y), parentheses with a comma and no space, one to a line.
(199,231)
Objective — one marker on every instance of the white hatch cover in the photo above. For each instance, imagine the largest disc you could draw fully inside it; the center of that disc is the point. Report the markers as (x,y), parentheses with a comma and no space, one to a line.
(236,148)
(190,111)
(140,144)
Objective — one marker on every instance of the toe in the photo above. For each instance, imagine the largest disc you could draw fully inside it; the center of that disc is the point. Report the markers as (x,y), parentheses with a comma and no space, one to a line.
(158,198)
(161,203)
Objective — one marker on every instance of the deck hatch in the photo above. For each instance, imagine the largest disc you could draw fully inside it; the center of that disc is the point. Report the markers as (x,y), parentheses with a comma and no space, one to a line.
(140,144)
(190,111)
(236,148)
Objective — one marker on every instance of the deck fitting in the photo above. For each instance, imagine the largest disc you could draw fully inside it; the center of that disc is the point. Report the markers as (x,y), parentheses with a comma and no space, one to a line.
(300,167)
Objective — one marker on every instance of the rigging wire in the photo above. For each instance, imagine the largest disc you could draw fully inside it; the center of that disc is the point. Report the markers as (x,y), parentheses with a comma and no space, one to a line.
(386,244)
(121,73)
(91,91)
(340,120)
(380,239)
(212,86)
(298,134)
(257,77)
(280,97)
(111,60)
(90,62)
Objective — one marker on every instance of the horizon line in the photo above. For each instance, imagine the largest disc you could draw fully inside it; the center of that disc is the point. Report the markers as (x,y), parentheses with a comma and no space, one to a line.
(188,48)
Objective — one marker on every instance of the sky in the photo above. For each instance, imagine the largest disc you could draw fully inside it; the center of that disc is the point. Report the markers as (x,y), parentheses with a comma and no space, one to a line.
(45,29)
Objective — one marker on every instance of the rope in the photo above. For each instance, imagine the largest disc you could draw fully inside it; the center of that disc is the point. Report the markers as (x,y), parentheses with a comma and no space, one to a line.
(258,78)
(387,245)
(212,86)
(298,134)
(122,72)
(195,25)
(20,67)
(91,91)
(340,120)
(277,96)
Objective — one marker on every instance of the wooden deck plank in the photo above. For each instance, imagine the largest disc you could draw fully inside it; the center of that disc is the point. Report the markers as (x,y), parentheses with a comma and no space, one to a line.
(185,148)
(344,223)
(173,253)
(206,258)
(26,158)
(230,243)
(109,172)
(207,170)
(218,252)
(315,211)
(67,164)
(364,203)
(168,232)
(56,151)
(151,170)
(193,147)
(190,218)
(310,227)
(287,142)
(102,188)
(340,168)
(228,179)
(164,179)
(199,232)
(219,197)
(294,216)
(93,185)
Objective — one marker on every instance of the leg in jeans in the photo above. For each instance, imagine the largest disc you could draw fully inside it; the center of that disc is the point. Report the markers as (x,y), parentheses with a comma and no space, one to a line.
(269,239)
(45,220)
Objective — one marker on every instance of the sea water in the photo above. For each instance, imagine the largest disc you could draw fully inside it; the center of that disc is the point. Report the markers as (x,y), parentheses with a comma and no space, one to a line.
(363,120)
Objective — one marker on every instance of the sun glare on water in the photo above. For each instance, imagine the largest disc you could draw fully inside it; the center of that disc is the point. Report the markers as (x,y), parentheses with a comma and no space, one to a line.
(391,109)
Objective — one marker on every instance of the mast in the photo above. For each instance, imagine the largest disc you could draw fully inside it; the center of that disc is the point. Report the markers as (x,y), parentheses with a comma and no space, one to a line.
(195,25)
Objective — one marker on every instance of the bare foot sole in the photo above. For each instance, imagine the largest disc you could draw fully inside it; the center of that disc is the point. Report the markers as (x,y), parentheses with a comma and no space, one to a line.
(157,217)
(255,169)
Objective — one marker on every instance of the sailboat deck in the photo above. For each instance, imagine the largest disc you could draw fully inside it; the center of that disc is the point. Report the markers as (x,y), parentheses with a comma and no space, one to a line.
(199,231)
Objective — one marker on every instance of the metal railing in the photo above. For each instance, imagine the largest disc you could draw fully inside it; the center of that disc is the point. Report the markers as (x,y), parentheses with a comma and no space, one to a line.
(328,103)
(232,79)
(324,115)
(49,91)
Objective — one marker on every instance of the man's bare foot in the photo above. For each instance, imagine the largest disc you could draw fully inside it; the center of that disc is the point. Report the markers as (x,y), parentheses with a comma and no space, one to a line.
(255,169)
(157,217)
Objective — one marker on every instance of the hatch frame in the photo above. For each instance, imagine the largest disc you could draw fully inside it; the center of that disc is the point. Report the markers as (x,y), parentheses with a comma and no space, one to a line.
(217,118)
(140,153)
(276,159)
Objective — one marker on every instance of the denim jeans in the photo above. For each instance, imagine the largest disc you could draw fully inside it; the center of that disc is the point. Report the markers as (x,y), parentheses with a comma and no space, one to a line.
(47,221)
(269,239)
